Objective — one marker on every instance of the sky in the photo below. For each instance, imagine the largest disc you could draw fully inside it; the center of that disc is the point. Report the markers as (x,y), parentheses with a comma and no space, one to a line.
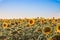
(29,8)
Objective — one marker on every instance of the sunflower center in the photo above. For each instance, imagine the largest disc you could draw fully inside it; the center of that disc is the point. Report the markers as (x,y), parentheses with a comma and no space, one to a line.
(4,25)
(59,27)
(47,29)
(31,21)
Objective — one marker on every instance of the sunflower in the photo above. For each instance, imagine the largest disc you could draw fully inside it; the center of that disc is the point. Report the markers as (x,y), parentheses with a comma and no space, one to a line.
(42,20)
(5,25)
(31,22)
(9,21)
(19,22)
(58,27)
(47,30)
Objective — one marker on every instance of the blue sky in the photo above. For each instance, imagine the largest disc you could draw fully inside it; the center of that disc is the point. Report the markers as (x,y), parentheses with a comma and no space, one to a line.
(29,8)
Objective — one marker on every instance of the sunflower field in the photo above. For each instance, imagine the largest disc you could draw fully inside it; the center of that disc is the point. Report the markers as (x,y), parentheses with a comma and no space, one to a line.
(30,29)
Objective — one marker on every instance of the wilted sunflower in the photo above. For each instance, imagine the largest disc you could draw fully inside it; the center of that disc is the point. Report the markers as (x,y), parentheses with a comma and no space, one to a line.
(47,30)
(5,25)
(58,27)
(31,22)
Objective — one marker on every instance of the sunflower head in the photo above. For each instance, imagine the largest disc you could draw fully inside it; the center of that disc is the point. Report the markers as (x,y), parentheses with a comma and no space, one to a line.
(9,21)
(31,21)
(5,25)
(42,20)
(58,27)
(47,30)
(20,22)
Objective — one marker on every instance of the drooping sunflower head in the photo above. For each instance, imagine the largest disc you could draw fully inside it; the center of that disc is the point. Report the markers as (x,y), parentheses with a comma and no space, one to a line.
(31,21)
(5,25)
(58,27)
(47,30)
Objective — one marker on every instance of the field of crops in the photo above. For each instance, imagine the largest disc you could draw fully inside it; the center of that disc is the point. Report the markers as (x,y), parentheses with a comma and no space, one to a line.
(30,29)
